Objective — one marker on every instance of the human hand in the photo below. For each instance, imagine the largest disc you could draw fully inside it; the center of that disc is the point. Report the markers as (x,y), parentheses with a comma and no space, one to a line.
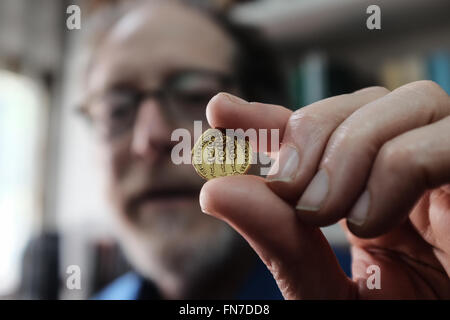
(377,160)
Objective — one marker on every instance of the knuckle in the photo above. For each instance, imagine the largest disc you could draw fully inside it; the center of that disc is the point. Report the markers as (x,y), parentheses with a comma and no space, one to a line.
(307,120)
(405,162)
(427,87)
(305,114)
(375,90)
(394,157)
(427,97)
(350,133)
(344,135)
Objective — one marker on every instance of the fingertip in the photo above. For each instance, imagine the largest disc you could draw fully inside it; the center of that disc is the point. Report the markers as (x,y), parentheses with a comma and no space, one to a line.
(375,227)
(359,213)
(362,231)
(211,109)
(219,108)
(207,196)
(220,196)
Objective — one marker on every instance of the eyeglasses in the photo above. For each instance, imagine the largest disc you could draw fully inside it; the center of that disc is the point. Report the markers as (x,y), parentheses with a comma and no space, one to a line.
(183,97)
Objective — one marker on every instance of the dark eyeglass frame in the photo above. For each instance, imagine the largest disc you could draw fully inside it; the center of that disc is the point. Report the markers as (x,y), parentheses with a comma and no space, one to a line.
(163,94)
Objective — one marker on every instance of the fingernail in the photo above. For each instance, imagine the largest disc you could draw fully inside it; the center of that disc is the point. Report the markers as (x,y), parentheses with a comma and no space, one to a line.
(286,166)
(315,193)
(202,202)
(358,215)
(233,98)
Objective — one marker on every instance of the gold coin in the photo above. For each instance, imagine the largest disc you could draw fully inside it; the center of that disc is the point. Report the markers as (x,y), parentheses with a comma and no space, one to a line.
(216,154)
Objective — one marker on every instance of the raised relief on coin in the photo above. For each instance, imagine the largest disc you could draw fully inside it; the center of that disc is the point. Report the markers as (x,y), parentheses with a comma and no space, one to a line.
(216,154)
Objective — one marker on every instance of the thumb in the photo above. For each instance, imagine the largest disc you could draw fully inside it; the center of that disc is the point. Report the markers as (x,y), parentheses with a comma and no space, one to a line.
(298,256)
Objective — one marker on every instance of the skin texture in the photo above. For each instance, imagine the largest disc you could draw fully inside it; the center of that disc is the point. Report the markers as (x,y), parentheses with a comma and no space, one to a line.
(166,238)
(387,152)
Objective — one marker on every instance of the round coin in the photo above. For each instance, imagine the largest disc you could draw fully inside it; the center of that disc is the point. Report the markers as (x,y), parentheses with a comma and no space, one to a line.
(216,154)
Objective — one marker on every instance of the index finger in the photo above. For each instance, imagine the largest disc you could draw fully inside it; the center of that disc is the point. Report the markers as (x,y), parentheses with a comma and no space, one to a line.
(227,111)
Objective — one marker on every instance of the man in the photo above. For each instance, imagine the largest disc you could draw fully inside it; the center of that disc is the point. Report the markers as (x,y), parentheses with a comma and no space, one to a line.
(146,80)
(153,70)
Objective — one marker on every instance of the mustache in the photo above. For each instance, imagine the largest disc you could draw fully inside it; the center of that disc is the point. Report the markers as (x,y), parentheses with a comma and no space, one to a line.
(140,186)
(153,193)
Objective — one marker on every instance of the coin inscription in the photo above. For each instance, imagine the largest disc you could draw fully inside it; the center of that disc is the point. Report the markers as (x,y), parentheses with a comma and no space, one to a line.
(216,154)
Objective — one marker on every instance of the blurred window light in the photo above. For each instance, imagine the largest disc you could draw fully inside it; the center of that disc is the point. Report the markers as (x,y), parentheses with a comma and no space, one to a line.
(22,119)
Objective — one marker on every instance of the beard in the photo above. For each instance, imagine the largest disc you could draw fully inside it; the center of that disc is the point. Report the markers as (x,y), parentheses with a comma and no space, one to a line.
(161,228)
(175,246)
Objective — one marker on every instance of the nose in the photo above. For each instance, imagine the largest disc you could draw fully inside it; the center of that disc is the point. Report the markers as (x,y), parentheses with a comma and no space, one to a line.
(151,132)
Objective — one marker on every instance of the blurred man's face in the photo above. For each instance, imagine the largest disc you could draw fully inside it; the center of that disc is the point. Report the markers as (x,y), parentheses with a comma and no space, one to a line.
(171,48)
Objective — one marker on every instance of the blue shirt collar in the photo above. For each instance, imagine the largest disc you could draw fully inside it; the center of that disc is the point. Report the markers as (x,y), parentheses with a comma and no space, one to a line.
(258,285)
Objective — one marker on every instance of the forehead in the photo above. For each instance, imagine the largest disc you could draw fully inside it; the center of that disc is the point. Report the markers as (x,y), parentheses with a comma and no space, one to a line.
(149,43)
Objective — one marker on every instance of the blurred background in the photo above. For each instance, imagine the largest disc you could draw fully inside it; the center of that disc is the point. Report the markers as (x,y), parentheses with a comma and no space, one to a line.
(52,209)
